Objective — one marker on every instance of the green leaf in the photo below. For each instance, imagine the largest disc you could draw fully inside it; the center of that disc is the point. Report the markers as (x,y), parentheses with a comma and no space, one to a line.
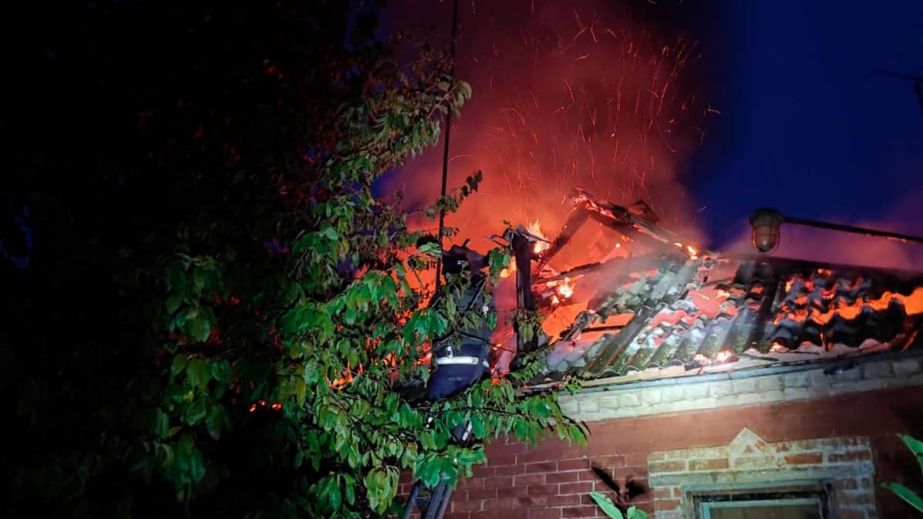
(161,424)
(430,249)
(349,489)
(915,446)
(175,277)
(198,372)
(173,302)
(906,494)
(330,233)
(636,513)
(216,421)
(607,506)
(330,492)
(195,413)
(220,370)
(198,327)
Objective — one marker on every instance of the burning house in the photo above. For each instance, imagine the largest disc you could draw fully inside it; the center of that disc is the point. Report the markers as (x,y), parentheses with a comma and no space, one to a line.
(713,385)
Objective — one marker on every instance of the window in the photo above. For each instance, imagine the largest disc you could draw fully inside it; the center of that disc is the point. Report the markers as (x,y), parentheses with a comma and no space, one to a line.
(781,503)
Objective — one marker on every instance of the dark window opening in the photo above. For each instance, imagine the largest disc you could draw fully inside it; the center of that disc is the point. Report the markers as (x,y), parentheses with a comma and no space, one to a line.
(800,502)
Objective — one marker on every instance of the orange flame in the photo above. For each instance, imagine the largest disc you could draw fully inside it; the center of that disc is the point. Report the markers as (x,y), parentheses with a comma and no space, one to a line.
(535,229)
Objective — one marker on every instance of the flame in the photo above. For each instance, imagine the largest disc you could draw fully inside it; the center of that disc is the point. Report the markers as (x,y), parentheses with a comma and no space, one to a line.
(801,311)
(778,347)
(723,355)
(535,229)
(566,288)
(691,250)
(563,290)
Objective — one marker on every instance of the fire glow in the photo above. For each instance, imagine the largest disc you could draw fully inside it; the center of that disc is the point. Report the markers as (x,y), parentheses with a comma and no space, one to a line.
(564,95)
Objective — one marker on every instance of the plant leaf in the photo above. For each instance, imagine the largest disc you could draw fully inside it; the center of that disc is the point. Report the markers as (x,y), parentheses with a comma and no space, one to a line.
(607,506)
(915,446)
(906,494)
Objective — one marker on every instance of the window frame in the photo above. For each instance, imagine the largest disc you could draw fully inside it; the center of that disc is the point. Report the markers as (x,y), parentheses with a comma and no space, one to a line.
(730,496)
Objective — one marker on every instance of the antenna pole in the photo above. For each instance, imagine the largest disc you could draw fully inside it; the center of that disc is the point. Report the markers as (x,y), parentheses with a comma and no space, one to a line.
(445,147)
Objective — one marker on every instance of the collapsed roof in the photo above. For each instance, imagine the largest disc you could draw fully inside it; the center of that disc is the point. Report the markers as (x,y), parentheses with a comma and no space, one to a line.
(654,305)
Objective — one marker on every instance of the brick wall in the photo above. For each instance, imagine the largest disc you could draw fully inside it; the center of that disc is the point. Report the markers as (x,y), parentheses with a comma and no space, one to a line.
(551,480)
(749,461)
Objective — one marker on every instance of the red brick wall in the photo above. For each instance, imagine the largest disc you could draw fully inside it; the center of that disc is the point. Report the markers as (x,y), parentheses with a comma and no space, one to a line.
(550,481)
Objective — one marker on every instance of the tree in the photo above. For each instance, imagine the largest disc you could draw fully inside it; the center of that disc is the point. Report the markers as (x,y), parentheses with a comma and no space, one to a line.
(219,318)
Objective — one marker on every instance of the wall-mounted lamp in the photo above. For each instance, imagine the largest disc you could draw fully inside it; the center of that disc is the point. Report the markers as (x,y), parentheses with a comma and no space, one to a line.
(766,230)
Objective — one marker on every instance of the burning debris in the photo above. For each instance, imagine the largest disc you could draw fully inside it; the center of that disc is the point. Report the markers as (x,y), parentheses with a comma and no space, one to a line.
(656,303)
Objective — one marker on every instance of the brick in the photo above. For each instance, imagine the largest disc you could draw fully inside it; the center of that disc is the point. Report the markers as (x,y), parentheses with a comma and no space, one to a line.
(862,455)
(545,466)
(588,404)
(499,482)
(862,498)
(568,500)
(874,370)
(695,391)
(543,490)
(804,459)
(530,501)
(482,493)
(529,480)
(744,385)
(576,464)
(651,396)
(636,459)
(514,492)
(465,506)
(768,384)
(502,459)
(720,389)
(713,464)
(794,380)
(543,513)
(457,515)
(905,367)
(483,471)
(656,456)
(576,488)
(562,477)
(795,393)
(666,504)
(609,462)
(663,493)
(580,511)
(472,483)
(846,484)
(667,466)
(629,399)
(500,503)
(589,475)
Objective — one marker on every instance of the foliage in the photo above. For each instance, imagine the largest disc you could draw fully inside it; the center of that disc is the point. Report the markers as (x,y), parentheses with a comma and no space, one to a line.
(901,491)
(613,511)
(221,318)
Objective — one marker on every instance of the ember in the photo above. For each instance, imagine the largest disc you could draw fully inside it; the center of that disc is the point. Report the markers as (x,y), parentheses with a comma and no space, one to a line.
(567,94)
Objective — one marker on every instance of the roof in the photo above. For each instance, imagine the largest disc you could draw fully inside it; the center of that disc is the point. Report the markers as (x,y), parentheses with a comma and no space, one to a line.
(672,312)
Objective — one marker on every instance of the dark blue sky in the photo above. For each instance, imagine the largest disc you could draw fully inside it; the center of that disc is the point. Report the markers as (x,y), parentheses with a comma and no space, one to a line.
(806,124)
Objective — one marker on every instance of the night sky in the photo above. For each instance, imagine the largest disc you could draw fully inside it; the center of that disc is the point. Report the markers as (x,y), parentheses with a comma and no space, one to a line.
(806,124)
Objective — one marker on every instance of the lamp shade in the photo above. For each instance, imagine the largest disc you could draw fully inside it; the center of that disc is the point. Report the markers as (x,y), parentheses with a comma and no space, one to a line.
(766,232)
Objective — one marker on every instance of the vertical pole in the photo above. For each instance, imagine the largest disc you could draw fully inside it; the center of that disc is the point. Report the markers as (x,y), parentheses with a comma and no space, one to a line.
(522,253)
(445,147)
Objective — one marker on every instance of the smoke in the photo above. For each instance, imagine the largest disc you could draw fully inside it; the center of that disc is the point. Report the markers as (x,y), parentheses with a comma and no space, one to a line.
(564,96)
